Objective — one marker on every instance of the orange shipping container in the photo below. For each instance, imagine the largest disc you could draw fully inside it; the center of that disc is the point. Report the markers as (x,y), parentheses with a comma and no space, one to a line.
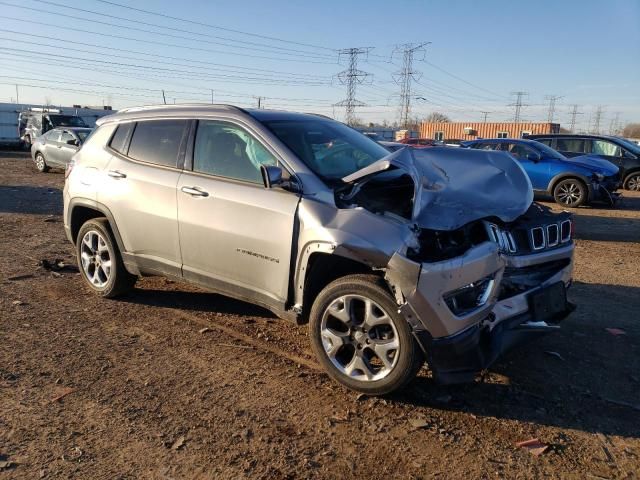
(472,131)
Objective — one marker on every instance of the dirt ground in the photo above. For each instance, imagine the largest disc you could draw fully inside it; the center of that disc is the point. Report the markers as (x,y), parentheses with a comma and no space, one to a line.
(173,382)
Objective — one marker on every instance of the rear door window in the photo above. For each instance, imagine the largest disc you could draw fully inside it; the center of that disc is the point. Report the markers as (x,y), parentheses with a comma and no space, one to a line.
(573,145)
(52,136)
(66,136)
(157,141)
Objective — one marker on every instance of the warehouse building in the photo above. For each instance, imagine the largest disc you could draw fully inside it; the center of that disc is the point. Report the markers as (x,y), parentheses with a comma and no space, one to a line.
(470,131)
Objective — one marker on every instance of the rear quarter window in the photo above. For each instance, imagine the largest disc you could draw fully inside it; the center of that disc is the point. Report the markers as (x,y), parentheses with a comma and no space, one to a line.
(119,139)
(546,141)
(575,145)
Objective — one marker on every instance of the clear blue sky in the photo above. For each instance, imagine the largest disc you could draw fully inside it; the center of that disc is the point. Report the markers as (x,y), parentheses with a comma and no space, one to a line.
(587,52)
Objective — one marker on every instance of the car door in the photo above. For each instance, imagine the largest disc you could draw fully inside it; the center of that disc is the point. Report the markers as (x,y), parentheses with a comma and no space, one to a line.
(49,148)
(140,191)
(538,170)
(65,149)
(235,234)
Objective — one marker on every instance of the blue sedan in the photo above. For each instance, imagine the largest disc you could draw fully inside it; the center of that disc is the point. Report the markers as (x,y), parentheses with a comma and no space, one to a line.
(571,181)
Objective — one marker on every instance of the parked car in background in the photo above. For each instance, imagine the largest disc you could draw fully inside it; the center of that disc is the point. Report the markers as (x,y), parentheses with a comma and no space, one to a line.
(393,146)
(315,221)
(32,124)
(56,147)
(452,142)
(619,151)
(571,181)
(420,142)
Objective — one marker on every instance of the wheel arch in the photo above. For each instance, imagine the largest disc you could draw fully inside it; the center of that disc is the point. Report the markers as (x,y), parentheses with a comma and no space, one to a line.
(566,176)
(630,173)
(83,209)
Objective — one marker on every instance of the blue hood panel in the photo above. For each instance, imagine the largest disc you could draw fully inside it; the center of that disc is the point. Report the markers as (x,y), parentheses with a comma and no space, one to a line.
(598,165)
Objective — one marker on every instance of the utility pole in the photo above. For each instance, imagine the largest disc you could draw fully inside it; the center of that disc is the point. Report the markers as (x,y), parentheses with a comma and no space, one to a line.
(552,106)
(518,105)
(17,94)
(212,96)
(597,118)
(352,77)
(484,116)
(164,99)
(259,99)
(573,112)
(405,76)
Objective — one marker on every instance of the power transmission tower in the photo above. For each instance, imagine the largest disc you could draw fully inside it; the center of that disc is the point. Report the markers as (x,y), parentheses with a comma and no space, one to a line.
(597,118)
(552,106)
(352,77)
(613,126)
(518,105)
(484,116)
(405,76)
(573,112)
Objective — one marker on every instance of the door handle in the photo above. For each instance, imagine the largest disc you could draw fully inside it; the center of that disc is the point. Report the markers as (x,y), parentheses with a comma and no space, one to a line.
(116,174)
(194,192)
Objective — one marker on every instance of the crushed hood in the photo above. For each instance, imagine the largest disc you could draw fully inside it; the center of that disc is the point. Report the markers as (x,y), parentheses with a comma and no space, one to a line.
(456,186)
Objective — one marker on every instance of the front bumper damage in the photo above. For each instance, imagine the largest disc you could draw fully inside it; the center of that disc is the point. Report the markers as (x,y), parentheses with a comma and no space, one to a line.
(459,345)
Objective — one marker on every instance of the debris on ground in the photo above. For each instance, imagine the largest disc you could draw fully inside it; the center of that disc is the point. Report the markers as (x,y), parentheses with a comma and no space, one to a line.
(17,302)
(418,422)
(56,265)
(179,442)
(62,393)
(204,330)
(534,446)
(616,331)
(554,354)
(20,277)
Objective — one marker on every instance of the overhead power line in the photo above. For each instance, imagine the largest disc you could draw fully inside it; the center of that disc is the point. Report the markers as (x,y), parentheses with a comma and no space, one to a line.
(140,22)
(208,25)
(164,44)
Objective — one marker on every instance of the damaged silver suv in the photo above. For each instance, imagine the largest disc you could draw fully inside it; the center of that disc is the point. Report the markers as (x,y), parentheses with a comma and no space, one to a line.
(393,259)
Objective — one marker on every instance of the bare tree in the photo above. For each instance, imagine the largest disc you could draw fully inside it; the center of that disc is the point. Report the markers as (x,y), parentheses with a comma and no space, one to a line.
(437,117)
(631,130)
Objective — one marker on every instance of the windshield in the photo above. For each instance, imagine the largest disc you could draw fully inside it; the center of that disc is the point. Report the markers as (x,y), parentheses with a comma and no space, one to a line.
(629,145)
(330,149)
(548,151)
(67,121)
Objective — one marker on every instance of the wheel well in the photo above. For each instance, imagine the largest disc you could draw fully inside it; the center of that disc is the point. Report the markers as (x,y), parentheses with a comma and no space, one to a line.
(322,269)
(79,216)
(628,174)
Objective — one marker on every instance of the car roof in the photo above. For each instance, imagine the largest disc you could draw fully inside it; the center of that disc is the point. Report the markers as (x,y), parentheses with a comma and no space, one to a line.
(503,140)
(572,135)
(195,110)
(73,129)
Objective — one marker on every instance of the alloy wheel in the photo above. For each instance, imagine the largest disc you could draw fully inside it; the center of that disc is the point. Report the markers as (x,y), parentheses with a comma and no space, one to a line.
(569,194)
(359,338)
(40,162)
(96,258)
(634,183)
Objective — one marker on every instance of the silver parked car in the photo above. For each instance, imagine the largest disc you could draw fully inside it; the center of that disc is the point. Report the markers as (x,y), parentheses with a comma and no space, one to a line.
(56,147)
(392,258)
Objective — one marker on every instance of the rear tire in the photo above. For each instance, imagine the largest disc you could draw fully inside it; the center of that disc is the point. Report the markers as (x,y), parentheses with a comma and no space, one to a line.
(632,182)
(100,262)
(570,192)
(361,339)
(41,163)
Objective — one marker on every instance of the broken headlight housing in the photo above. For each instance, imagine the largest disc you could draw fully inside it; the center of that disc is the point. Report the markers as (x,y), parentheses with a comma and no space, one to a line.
(468,298)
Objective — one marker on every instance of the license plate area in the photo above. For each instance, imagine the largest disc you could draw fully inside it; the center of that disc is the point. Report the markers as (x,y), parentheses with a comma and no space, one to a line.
(549,302)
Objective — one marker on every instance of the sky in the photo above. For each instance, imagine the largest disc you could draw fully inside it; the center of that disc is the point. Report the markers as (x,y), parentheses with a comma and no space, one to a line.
(475,54)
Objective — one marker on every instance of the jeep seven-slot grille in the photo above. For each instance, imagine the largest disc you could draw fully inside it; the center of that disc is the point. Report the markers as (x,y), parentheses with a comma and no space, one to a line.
(521,240)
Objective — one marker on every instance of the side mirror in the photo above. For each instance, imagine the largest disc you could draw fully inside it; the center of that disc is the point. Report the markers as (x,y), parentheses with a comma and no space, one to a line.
(73,142)
(534,157)
(271,175)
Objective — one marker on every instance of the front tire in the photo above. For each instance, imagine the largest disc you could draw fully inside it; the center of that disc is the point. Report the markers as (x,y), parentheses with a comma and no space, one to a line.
(570,192)
(361,339)
(41,163)
(100,262)
(632,182)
